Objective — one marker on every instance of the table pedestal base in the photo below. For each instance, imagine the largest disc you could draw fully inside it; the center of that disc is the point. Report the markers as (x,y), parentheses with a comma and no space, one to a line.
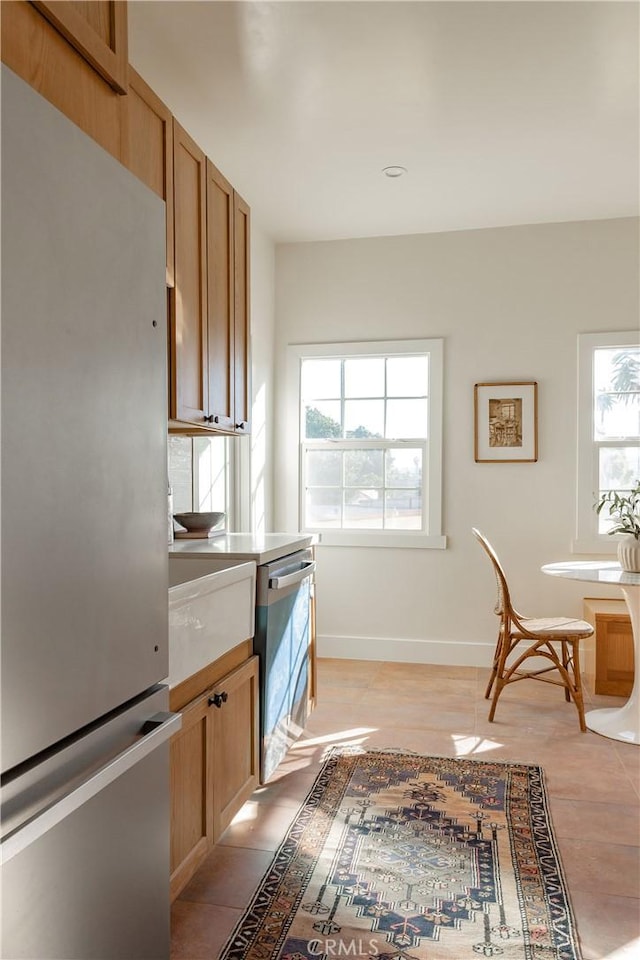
(618,723)
(623,723)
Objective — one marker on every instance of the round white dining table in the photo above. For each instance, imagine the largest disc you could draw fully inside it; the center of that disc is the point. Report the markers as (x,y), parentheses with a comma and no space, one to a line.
(618,723)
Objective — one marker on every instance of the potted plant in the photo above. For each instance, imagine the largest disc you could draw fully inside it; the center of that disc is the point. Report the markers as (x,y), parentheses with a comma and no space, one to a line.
(624,509)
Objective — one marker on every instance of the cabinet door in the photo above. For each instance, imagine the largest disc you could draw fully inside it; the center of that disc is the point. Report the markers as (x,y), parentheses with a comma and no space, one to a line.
(97,29)
(150,148)
(220,297)
(241,326)
(236,757)
(188,339)
(191,792)
(43,58)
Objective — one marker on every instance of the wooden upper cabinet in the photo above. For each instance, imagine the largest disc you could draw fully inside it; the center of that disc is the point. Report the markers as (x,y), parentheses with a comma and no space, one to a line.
(228,303)
(220,297)
(241,325)
(49,61)
(98,30)
(210,381)
(150,149)
(188,360)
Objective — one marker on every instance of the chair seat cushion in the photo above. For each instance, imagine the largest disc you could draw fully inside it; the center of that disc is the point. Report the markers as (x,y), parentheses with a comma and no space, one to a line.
(555,627)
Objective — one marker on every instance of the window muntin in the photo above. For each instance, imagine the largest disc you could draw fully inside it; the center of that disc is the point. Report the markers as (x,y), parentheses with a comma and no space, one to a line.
(364,397)
(367,487)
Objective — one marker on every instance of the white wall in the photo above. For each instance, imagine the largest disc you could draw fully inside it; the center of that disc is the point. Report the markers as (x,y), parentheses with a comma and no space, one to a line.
(509,303)
(258,478)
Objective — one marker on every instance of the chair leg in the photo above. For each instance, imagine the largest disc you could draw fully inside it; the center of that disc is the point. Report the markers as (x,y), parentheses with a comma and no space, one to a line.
(499,675)
(577,688)
(565,664)
(494,666)
(490,684)
(570,672)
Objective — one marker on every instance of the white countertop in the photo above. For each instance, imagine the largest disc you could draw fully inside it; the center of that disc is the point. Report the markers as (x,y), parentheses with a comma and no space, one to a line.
(243,546)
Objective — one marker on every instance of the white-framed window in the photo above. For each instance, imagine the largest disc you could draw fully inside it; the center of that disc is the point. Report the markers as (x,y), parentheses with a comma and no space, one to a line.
(608,430)
(366,428)
(201,475)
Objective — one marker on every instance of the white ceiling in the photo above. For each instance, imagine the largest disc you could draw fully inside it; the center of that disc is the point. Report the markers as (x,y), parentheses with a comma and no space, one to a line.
(502,112)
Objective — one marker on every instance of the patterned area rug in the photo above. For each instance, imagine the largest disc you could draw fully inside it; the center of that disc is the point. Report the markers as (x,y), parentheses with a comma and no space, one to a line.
(402,857)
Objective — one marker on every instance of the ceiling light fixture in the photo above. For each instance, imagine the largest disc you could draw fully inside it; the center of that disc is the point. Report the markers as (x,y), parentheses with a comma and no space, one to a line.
(394,171)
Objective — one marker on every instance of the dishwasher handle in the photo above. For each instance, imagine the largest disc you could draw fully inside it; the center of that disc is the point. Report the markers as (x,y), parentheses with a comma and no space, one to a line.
(289,579)
(155,731)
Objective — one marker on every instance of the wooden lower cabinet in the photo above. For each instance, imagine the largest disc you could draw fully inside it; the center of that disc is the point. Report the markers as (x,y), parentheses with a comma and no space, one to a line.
(191,793)
(236,767)
(609,654)
(214,767)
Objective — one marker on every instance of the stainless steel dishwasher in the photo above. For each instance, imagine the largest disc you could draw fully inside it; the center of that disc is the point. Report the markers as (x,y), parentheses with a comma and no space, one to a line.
(282,638)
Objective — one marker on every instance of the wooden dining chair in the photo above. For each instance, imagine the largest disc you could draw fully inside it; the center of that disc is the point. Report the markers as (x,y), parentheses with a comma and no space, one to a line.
(556,639)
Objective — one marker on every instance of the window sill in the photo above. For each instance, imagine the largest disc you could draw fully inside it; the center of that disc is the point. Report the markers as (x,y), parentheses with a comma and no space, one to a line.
(347,538)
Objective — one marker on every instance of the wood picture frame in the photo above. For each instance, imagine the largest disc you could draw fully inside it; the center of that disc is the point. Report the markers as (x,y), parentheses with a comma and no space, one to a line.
(506,422)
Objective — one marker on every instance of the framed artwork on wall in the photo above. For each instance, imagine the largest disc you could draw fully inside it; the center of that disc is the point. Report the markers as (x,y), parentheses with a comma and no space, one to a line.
(506,422)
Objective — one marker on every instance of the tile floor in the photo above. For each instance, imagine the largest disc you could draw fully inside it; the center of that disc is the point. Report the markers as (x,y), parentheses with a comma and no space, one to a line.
(593,785)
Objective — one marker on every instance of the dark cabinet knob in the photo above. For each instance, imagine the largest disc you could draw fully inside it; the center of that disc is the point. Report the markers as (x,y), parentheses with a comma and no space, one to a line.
(242,425)
(218,699)
(209,419)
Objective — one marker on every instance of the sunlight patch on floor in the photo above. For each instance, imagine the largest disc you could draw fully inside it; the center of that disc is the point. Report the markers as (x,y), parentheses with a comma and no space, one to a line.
(341,736)
(246,813)
(629,951)
(466,746)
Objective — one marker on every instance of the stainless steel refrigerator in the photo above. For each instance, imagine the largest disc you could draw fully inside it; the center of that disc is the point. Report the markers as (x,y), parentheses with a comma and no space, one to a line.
(85,721)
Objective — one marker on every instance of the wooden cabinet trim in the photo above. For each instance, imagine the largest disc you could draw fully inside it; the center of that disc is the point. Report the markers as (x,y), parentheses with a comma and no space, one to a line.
(183,873)
(110,60)
(242,315)
(41,56)
(193,686)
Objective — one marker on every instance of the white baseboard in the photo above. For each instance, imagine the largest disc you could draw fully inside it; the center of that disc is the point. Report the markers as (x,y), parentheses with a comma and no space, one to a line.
(451,653)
